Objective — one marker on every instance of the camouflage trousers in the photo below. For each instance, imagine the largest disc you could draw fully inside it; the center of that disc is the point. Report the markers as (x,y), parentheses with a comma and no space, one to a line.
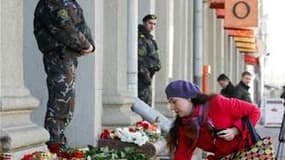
(145,92)
(60,69)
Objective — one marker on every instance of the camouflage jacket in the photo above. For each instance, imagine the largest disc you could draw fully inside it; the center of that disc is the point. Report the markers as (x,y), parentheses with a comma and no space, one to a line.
(60,23)
(148,59)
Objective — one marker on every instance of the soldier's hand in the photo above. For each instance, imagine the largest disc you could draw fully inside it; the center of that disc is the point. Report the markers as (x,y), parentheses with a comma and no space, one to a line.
(87,51)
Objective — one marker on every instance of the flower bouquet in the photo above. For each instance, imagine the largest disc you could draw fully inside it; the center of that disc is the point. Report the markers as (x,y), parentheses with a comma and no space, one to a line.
(70,154)
(88,153)
(142,137)
(152,131)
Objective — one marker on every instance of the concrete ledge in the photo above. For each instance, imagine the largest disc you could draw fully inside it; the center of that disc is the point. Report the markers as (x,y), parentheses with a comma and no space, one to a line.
(117,111)
(24,136)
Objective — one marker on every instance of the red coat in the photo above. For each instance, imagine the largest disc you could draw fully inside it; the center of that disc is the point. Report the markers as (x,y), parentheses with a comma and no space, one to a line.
(224,113)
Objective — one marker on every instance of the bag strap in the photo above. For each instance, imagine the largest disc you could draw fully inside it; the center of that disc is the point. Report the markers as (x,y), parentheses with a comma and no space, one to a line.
(205,111)
(255,137)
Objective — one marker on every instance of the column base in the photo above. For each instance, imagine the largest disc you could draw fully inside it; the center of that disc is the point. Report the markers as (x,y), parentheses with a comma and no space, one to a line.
(20,153)
(15,118)
(117,111)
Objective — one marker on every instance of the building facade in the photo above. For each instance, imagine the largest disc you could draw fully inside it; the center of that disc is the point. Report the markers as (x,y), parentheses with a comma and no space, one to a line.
(102,95)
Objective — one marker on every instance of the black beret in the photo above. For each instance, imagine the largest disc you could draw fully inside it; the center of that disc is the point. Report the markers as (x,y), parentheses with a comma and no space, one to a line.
(149,17)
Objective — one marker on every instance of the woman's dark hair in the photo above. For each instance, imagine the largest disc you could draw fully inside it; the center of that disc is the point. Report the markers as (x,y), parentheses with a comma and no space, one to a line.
(189,128)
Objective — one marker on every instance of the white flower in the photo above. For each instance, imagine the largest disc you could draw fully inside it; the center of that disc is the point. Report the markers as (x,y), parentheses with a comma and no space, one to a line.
(138,137)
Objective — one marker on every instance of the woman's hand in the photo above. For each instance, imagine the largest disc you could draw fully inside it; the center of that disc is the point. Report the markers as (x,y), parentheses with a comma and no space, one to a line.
(228,134)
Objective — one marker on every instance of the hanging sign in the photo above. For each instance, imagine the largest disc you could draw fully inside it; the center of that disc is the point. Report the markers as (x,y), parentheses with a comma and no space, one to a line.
(241,13)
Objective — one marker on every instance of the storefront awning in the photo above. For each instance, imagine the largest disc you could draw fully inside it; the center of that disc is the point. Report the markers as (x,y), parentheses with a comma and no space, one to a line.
(251,60)
(244,39)
(216,3)
(246,50)
(246,45)
(241,33)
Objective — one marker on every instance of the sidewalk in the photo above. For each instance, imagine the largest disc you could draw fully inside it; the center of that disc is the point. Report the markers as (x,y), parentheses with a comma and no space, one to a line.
(272,132)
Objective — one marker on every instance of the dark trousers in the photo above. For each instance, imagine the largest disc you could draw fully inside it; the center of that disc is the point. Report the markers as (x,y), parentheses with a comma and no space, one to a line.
(145,93)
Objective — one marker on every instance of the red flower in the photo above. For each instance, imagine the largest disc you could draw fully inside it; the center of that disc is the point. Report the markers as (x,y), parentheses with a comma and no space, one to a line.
(132,130)
(28,157)
(78,154)
(139,123)
(105,134)
(54,148)
(145,125)
(66,155)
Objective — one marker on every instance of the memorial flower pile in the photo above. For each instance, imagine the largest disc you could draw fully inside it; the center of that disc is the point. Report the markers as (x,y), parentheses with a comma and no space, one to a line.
(142,133)
(88,153)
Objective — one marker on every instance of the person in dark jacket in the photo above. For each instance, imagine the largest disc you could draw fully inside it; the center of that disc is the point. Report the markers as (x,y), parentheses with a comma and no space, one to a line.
(148,59)
(62,36)
(228,89)
(242,88)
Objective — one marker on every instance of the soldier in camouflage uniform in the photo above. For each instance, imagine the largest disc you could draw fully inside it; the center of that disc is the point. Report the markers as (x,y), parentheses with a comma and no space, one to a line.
(148,59)
(62,36)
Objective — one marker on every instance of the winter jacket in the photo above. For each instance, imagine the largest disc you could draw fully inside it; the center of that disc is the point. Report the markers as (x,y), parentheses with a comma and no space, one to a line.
(242,92)
(229,91)
(61,24)
(148,59)
(223,113)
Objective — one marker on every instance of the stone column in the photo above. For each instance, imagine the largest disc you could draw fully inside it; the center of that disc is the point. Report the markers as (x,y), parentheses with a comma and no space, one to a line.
(220,57)
(116,100)
(132,45)
(177,44)
(190,44)
(164,33)
(237,64)
(226,51)
(186,38)
(212,31)
(16,102)
(180,40)
(234,64)
(230,58)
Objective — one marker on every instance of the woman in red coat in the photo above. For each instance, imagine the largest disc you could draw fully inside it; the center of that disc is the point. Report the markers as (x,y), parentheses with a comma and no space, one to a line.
(212,123)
